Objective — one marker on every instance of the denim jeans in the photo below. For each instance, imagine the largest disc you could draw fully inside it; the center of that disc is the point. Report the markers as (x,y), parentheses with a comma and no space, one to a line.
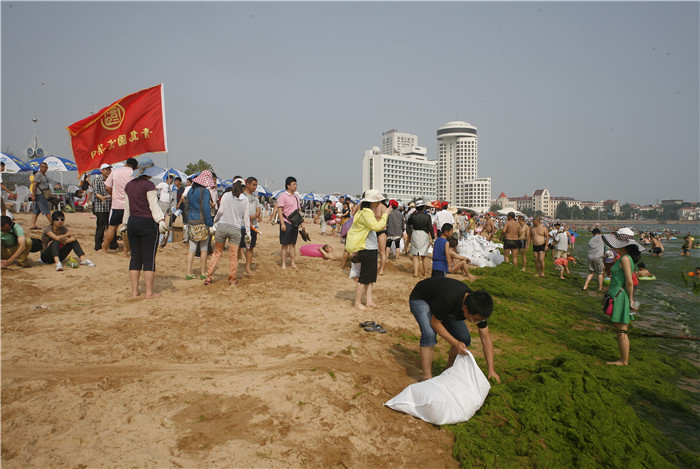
(428,337)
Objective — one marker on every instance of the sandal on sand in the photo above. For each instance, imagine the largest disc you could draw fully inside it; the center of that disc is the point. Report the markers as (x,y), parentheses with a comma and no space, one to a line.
(207,281)
(368,323)
(375,328)
(189,277)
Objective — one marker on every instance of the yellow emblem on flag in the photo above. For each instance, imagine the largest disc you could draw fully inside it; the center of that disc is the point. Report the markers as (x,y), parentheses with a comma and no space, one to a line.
(113,117)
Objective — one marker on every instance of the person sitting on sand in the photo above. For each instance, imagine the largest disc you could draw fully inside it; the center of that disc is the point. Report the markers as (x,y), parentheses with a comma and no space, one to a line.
(329,253)
(440,260)
(58,243)
(563,263)
(458,264)
(642,270)
(442,306)
(15,245)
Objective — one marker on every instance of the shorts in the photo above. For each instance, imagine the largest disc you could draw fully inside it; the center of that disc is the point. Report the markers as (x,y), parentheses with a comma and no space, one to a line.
(230,232)
(428,337)
(116,216)
(290,236)
(379,233)
(395,240)
(523,243)
(511,244)
(41,205)
(253,238)
(538,248)
(596,266)
(368,266)
(438,273)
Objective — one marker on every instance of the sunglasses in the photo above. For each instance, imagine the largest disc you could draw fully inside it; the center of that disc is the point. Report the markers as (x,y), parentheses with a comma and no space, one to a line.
(59,219)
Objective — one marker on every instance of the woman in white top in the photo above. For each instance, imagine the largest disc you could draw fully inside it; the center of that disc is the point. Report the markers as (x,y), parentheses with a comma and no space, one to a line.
(233,213)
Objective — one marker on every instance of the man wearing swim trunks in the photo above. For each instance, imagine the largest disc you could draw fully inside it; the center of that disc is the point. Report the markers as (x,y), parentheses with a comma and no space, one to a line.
(489,230)
(656,247)
(524,237)
(538,238)
(509,236)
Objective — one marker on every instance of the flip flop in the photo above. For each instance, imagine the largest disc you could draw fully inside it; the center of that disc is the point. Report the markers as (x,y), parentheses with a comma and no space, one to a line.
(368,323)
(375,328)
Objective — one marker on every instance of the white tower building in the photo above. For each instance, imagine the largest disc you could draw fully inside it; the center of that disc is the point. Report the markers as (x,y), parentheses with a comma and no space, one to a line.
(403,176)
(457,180)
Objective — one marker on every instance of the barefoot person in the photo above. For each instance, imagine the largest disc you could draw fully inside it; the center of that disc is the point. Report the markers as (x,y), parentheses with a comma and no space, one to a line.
(657,248)
(143,221)
(489,228)
(421,228)
(524,237)
(458,264)
(254,209)
(442,306)
(287,203)
(115,183)
(362,239)
(510,237)
(41,205)
(596,248)
(538,238)
(622,287)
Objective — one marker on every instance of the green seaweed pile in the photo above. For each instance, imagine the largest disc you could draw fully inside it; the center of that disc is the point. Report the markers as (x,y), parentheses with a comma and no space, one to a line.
(559,404)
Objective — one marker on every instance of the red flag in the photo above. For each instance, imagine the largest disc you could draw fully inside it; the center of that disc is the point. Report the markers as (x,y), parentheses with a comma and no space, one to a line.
(128,127)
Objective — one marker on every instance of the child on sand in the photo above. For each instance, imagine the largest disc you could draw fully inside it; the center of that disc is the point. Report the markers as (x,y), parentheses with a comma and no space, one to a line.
(329,253)
(440,257)
(563,262)
(459,264)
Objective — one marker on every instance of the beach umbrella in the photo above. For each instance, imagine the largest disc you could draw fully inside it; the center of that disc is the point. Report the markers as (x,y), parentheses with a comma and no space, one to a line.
(223,183)
(277,193)
(174,172)
(263,191)
(332,198)
(55,163)
(313,197)
(14,164)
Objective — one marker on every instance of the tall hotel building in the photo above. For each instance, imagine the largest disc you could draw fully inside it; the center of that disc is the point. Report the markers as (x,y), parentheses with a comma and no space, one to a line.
(457,168)
(400,170)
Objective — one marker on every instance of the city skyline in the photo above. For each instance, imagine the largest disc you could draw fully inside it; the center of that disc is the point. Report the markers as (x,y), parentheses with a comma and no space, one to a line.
(591,100)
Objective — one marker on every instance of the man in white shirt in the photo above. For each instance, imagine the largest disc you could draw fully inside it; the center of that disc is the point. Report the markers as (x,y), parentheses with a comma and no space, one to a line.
(255,213)
(443,216)
(164,202)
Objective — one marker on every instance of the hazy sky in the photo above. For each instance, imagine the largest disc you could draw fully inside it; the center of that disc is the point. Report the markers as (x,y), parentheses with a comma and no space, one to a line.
(590,100)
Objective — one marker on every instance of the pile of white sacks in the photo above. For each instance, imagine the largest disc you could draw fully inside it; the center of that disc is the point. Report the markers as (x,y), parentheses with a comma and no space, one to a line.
(480,252)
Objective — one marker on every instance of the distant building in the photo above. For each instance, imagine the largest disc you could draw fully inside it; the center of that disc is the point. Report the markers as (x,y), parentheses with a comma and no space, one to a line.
(404,175)
(457,168)
(614,204)
(689,213)
(396,143)
(541,202)
(668,202)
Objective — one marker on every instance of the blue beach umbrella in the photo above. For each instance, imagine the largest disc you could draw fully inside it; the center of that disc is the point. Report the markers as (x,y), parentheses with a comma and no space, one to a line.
(312,196)
(263,191)
(13,164)
(277,193)
(55,163)
(174,172)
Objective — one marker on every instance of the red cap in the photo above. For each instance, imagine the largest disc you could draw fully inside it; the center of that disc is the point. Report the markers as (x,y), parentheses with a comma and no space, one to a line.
(393,203)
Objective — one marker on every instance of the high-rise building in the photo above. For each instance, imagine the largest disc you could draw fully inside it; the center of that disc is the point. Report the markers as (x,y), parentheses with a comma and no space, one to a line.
(403,175)
(396,143)
(457,168)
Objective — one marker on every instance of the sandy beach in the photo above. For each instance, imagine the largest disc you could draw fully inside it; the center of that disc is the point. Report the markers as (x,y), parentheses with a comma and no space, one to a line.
(272,373)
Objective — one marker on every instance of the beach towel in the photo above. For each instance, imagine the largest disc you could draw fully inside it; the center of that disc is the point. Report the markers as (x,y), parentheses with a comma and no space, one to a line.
(452,397)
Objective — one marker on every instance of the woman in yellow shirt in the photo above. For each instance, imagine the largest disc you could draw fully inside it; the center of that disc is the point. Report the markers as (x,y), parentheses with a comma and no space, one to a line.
(362,238)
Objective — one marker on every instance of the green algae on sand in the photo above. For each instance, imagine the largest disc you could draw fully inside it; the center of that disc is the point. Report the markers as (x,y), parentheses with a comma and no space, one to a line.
(559,404)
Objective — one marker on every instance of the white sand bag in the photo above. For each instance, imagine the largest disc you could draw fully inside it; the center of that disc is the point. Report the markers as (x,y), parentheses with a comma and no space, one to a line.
(481,253)
(452,397)
(355,269)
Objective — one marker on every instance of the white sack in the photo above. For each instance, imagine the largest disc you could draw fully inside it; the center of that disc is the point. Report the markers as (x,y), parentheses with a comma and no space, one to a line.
(480,252)
(452,397)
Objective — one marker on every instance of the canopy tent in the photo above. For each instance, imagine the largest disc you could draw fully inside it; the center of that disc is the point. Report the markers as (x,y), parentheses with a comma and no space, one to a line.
(14,164)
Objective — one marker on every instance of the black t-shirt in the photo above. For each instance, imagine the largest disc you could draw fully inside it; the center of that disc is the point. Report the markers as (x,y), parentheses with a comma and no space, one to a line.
(421,221)
(445,297)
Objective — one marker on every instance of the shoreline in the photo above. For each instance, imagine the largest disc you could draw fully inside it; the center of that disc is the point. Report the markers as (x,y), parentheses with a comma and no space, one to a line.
(266,373)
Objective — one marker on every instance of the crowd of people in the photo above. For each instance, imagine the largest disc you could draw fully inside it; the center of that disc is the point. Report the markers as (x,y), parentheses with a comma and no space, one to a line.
(128,205)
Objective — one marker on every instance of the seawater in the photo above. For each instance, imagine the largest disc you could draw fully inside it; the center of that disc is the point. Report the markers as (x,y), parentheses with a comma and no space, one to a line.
(670,305)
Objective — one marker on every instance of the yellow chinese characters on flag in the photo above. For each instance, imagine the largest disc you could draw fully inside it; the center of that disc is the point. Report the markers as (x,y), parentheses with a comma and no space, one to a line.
(128,127)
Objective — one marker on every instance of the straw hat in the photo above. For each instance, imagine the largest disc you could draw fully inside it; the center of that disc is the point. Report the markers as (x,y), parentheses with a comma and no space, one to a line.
(420,203)
(624,237)
(373,195)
